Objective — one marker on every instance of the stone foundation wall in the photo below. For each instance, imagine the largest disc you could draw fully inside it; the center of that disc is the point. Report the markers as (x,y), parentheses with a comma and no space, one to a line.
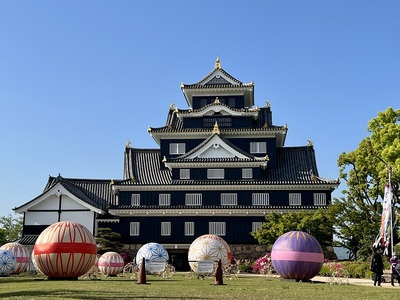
(248,252)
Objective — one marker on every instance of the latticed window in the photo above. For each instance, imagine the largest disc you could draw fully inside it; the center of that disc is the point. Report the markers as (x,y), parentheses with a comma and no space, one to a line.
(193,199)
(189,228)
(134,228)
(165,228)
(319,199)
(164,199)
(294,199)
(222,122)
(255,226)
(184,173)
(135,199)
(260,199)
(258,147)
(217,228)
(215,173)
(247,173)
(228,199)
(177,148)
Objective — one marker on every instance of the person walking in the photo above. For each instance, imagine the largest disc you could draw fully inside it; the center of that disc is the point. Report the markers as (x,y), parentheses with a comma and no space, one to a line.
(377,266)
(395,268)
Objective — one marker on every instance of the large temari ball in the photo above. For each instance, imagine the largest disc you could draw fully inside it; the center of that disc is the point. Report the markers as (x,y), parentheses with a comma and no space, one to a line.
(111,263)
(21,254)
(297,255)
(209,247)
(151,252)
(7,262)
(65,250)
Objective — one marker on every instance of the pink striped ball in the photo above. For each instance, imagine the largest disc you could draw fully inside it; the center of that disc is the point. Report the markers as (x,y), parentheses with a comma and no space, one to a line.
(297,255)
(111,263)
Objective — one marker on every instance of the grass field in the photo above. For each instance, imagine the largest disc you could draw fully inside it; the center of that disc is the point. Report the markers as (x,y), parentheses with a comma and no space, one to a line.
(180,287)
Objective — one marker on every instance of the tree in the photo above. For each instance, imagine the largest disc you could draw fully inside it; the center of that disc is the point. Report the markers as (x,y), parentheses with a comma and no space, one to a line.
(357,213)
(313,222)
(108,240)
(10,229)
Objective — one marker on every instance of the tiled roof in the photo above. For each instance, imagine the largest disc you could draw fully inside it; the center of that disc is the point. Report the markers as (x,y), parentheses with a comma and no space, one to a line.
(143,167)
(296,165)
(95,192)
(28,240)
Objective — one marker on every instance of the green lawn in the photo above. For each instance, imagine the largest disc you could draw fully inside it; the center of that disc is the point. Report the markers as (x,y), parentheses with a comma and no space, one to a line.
(179,287)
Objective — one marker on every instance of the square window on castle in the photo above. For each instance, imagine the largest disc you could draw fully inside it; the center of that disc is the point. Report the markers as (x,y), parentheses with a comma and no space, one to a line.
(177,148)
(134,228)
(165,228)
(258,147)
(189,228)
(135,200)
(164,199)
(247,173)
(319,199)
(217,228)
(255,226)
(260,198)
(294,199)
(184,174)
(193,199)
(215,173)
(228,199)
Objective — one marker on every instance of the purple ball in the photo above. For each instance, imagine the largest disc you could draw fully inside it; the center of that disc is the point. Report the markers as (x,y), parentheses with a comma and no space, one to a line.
(297,255)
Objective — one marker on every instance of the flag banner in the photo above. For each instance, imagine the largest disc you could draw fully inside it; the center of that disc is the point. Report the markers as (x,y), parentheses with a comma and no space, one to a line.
(383,238)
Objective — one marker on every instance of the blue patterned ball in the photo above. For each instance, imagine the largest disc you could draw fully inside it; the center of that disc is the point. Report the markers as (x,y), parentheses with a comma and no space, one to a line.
(151,252)
(8,262)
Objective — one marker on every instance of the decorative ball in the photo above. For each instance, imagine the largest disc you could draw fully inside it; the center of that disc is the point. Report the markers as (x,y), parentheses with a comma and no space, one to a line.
(209,247)
(21,254)
(110,263)
(7,262)
(151,252)
(65,250)
(297,255)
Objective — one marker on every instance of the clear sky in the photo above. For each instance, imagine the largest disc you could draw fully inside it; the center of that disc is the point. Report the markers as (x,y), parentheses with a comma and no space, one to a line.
(78,79)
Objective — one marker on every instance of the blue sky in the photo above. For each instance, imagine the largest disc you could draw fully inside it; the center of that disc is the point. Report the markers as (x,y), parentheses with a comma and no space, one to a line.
(78,79)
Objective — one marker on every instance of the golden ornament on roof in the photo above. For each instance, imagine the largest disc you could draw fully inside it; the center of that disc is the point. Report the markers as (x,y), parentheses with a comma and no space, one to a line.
(217,101)
(217,63)
(216,128)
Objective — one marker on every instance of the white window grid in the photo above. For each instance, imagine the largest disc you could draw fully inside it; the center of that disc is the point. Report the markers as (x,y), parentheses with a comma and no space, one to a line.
(228,199)
(164,199)
(217,228)
(260,198)
(135,200)
(294,199)
(165,228)
(193,199)
(258,147)
(247,173)
(189,228)
(215,173)
(319,199)
(177,148)
(255,226)
(134,228)
(184,173)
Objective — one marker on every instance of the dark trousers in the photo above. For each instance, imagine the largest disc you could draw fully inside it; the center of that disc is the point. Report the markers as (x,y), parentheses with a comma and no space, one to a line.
(378,278)
(395,276)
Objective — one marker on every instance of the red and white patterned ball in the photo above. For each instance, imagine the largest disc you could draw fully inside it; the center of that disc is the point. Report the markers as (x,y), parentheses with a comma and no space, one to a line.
(111,263)
(209,247)
(21,254)
(65,250)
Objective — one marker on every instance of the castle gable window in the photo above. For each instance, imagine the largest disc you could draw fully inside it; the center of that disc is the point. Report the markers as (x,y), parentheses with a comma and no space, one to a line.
(255,226)
(258,147)
(319,199)
(247,173)
(177,148)
(165,228)
(215,173)
(294,199)
(134,228)
(193,199)
(217,228)
(184,173)
(228,199)
(189,228)
(260,198)
(164,199)
(135,200)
